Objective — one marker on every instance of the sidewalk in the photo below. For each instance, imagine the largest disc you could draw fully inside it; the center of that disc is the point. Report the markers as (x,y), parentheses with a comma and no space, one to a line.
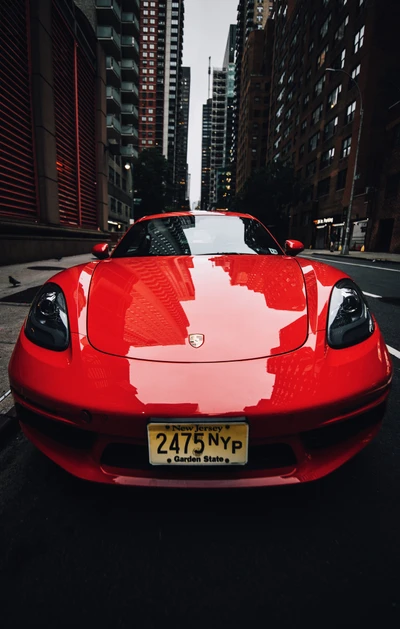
(32,274)
(363,255)
(14,306)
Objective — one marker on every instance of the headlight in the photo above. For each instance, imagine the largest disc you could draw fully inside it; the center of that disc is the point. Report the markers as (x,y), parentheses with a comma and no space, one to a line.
(349,319)
(47,322)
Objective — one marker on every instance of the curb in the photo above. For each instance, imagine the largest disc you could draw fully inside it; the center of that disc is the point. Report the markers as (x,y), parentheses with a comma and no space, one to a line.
(348,257)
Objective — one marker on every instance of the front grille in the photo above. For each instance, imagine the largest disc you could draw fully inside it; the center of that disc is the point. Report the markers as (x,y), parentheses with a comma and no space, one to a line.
(60,432)
(336,433)
(261,457)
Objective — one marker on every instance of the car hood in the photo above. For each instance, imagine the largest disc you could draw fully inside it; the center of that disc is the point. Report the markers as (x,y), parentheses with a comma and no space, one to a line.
(244,306)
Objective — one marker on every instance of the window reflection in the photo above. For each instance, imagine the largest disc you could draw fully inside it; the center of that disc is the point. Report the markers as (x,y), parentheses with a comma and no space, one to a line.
(197,235)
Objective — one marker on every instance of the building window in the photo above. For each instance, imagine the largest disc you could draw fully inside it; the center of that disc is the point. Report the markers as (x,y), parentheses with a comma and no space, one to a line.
(301,151)
(303,127)
(334,97)
(359,39)
(322,56)
(311,47)
(306,100)
(339,62)
(355,73)
(311,168)
(346,147)
(317,113)
(308,75)
(350,111)
(327,157)
(340,31)
(323,187)
(325,26)
(392,186)
(313,142)
(330,128)
(341,179)
(319,86)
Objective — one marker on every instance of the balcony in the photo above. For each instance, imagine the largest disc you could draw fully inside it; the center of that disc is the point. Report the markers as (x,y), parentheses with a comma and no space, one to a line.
(129,46)
(130,70)
(130,24)
(113,72)
(130,92)
(108,13)
(129,151)
(130,113)
(113,129)
(113,100)
(129,134)
(111,41)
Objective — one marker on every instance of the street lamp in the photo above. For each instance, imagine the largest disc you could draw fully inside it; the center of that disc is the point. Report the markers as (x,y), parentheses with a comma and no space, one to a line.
(346,243)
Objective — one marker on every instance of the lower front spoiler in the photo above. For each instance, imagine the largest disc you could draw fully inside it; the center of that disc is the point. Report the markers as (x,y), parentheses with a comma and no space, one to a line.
(298,458)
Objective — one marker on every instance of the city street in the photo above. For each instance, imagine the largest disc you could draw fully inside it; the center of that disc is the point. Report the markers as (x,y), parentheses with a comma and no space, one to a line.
(75,554)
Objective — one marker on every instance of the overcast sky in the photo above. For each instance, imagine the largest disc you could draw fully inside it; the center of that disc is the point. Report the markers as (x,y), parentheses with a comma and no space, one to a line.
(205,34)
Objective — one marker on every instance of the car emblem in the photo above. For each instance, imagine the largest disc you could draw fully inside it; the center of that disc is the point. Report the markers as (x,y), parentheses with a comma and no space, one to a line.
(196,340)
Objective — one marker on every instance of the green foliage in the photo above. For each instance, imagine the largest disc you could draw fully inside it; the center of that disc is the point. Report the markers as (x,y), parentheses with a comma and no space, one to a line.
(152,183)
(268,194)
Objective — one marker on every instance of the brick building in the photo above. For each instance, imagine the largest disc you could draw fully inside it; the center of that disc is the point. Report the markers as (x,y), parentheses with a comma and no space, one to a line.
(315,113)
(255,98)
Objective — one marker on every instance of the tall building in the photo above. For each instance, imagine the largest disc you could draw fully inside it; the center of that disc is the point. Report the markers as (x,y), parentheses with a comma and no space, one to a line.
(118,31)
(206,155)
(160,68)
(255,98)
(315,117)
(182,140)
(221,152)
(53,171)
(251,15)
(218,130)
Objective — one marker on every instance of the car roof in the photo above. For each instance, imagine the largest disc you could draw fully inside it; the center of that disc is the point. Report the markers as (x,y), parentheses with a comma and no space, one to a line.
(194,213)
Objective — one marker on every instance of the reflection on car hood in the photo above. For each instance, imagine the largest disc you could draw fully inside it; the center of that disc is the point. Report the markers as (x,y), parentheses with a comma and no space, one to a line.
(243,306)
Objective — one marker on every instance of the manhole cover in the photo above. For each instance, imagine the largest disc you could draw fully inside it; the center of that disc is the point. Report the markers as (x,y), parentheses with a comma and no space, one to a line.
(22,297)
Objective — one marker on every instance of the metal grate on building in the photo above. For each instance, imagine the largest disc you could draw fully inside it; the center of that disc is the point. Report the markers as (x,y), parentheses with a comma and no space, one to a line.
(64,110)
(75,118)
(87,139)
(18,192)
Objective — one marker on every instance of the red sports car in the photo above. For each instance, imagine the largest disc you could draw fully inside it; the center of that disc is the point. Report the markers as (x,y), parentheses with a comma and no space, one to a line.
(200,354)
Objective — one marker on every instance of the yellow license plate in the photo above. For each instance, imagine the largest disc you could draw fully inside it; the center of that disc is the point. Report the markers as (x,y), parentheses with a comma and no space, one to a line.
(189,443)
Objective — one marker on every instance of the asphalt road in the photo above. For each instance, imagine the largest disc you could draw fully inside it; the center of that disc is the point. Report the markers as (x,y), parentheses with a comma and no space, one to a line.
(325,554)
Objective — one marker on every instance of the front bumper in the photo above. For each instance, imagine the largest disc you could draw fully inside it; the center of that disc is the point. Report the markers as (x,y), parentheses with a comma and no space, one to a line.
(292,459)
(308,411)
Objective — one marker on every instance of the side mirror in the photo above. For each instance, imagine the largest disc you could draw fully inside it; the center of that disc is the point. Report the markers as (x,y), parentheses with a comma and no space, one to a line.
(101,251)
(293,247)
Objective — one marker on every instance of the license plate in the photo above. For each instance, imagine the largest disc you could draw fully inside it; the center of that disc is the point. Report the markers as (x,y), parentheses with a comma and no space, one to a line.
(189,443)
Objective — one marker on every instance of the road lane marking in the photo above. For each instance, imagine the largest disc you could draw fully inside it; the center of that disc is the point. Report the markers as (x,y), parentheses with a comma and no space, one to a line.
(393,351)
(372,295)
(3,397)
(364,266)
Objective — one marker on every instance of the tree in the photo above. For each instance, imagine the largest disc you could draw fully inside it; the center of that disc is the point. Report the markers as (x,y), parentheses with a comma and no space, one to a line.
(152,183)
(268,194)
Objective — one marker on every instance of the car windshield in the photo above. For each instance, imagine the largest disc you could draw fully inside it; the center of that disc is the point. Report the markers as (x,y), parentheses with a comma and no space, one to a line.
(197,235)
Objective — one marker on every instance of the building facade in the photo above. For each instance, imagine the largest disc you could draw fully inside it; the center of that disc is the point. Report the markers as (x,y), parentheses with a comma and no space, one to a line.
(329,62)
(251,15)
(255,99)
(182,140)
(53,164)
(118,31)
(206,155)
(160,67)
